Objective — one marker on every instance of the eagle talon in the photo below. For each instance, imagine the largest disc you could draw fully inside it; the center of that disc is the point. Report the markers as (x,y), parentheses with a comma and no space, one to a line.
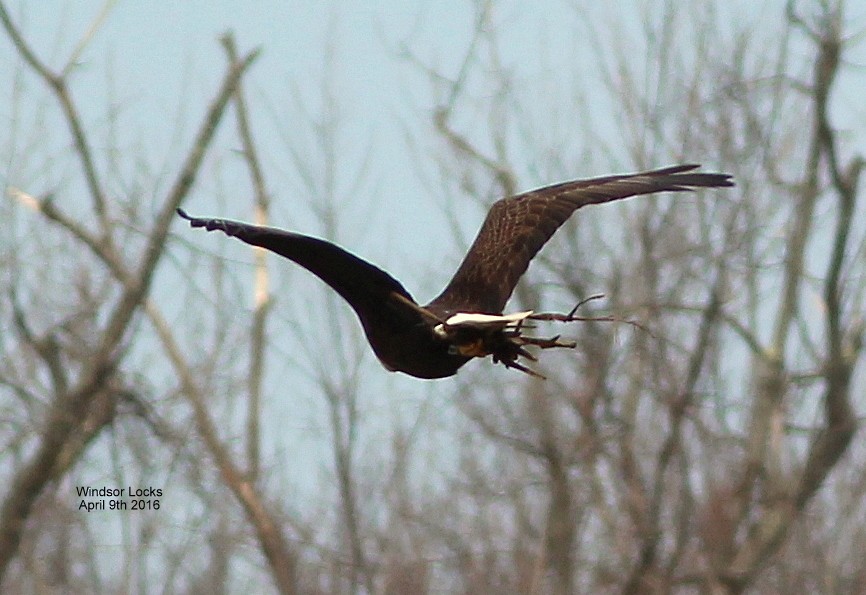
(524,369)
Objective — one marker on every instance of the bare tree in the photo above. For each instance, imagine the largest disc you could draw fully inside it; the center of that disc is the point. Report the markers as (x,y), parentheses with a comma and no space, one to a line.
(338,372)
(706,448)
(85,392)
(662,466)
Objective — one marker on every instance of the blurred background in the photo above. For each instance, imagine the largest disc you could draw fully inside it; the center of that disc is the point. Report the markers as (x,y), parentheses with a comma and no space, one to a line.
(711,447)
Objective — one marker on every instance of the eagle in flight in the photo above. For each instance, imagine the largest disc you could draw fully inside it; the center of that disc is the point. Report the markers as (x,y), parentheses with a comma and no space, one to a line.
(465,321)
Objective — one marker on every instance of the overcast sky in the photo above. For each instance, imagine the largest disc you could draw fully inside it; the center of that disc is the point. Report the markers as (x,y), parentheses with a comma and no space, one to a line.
(160,62)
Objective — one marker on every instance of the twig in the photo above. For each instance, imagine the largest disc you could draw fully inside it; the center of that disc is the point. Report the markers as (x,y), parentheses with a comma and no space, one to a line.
(88,36)
(72,408)
(572,317)
(57,84)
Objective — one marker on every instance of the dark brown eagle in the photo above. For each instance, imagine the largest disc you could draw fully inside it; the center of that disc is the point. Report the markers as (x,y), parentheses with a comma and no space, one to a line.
(465,320)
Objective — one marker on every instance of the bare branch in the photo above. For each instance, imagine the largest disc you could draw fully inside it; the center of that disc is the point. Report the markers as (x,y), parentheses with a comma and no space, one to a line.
(57,84)
(262,302)
(671,446)
(88,36)
(70,409)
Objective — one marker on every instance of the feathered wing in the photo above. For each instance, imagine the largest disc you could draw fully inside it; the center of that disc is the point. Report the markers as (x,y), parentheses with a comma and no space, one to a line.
(372,293)
(518,226)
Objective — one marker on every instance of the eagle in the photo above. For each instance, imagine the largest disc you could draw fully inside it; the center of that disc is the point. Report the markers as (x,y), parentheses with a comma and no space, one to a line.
(466,320)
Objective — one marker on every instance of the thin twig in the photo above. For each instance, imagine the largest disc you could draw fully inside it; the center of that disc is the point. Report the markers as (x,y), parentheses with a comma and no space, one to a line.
(88,36)
(57,84)
(71,409)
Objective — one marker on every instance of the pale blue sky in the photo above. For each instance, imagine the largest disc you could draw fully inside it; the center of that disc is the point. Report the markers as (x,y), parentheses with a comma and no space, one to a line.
(161,62)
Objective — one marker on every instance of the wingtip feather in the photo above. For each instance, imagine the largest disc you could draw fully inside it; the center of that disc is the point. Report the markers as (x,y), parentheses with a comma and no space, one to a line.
(193,221)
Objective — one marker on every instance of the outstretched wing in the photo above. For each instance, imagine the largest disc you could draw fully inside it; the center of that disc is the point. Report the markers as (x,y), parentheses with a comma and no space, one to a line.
(369,290)
(517,227)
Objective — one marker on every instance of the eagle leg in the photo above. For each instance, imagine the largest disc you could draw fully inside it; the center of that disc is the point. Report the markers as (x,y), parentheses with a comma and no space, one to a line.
(546,343)
(522,368)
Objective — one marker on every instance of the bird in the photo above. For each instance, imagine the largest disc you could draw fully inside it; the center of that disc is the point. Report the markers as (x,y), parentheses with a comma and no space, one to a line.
(466,320)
